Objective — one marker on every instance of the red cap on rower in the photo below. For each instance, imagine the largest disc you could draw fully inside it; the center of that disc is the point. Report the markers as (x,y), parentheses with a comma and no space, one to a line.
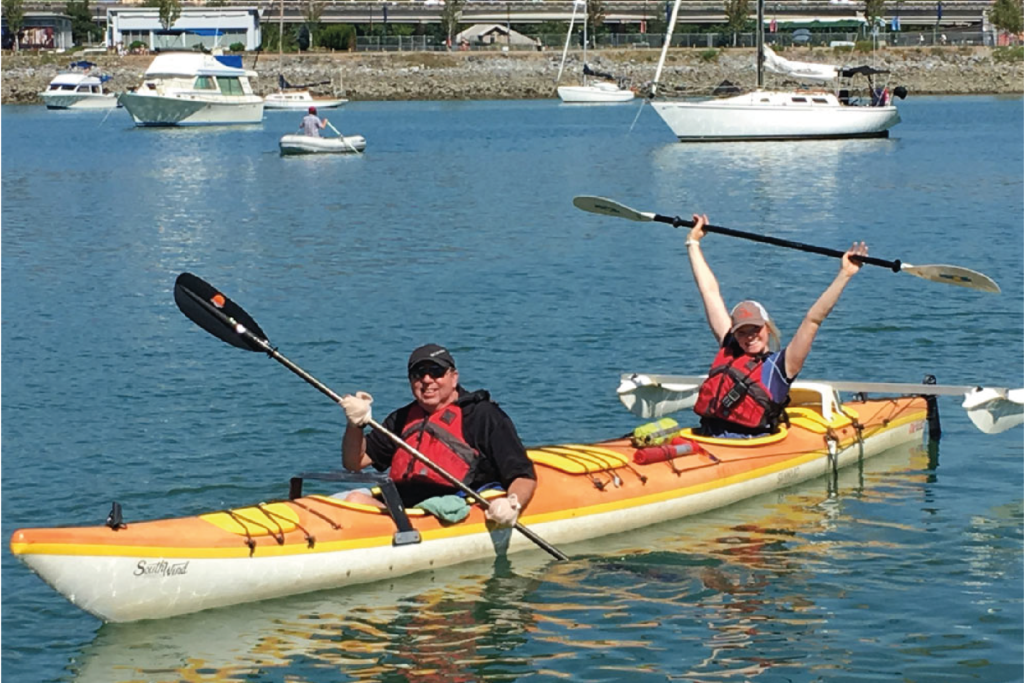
(312,110)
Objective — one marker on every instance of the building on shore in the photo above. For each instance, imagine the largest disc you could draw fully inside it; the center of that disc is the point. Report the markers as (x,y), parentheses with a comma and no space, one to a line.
(206,27)
(40,31)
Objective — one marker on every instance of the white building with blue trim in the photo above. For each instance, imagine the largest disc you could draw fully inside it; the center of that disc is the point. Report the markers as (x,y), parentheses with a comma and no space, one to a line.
(208,27)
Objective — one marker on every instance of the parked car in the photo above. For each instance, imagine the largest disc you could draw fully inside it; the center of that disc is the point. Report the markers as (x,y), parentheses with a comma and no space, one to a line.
(801,36)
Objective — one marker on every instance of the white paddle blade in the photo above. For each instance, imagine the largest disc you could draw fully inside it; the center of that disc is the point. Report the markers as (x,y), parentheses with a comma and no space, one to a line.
(995,410)
(648,398)
(608,207)
(954,275)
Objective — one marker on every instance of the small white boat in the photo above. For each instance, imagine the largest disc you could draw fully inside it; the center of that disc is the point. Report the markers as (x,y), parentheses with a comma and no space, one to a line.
(193,89)
(78,90)
(599,92)
(606,91)
(298,97)
(307,144)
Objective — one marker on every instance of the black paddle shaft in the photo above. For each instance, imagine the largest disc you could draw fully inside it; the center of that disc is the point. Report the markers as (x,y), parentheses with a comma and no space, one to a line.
(678,222)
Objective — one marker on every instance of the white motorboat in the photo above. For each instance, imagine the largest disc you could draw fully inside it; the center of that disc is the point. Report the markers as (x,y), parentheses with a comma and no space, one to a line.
(597,87)
(780,115)
(308,144)
(78,90)
(298,98)
(194,89)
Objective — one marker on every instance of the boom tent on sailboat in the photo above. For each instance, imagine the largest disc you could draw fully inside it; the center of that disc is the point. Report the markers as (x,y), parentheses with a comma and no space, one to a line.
(765,114)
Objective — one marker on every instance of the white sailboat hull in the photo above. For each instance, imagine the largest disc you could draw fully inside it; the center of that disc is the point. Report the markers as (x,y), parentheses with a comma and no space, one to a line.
(299,101)
(594,93)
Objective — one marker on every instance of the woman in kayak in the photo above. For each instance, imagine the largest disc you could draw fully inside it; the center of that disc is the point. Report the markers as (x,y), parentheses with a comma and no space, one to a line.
(748,384)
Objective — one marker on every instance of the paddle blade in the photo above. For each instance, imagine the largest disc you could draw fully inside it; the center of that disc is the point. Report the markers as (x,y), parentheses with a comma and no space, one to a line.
(204,305)
(995,410)
(607,207)
(954,275)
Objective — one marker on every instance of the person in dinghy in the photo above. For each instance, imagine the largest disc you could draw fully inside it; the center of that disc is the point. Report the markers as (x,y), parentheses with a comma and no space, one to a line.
(312,124)
(465,433)
(748,384)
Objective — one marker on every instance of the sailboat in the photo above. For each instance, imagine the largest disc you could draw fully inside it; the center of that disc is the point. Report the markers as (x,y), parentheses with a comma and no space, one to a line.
(604,90)
(780,115)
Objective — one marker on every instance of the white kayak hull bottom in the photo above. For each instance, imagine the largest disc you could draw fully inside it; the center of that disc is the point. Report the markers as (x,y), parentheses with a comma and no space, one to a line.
(306,144)
(129,588)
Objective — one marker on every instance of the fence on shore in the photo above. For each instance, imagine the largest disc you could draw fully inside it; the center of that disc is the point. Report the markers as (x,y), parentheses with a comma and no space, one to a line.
(548,42)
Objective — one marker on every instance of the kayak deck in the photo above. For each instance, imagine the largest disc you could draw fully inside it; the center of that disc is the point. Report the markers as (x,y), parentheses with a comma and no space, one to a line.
(161,568)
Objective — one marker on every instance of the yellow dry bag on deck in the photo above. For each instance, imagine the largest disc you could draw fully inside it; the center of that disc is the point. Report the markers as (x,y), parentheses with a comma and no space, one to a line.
(655,433)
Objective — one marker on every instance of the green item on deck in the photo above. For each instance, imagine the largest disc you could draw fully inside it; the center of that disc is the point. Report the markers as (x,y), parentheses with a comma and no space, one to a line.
(655,433)
(446,508)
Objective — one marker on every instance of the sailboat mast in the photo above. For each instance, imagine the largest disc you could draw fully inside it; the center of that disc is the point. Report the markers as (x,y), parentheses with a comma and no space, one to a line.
(760,44)
(665,46)
(568,38)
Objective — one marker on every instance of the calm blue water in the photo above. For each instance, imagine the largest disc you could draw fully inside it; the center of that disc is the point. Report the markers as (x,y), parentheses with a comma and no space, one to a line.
(457,227)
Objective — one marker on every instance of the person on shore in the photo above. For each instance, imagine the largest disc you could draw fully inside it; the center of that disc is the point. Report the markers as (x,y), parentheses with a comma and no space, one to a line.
(748,384)
(465,433)
(312,124)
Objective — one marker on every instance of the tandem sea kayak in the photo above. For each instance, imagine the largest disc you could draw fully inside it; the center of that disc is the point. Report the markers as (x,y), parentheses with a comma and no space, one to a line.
(308,541)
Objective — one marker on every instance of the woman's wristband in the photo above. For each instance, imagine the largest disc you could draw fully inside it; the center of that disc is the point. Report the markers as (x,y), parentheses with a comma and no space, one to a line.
(690,243)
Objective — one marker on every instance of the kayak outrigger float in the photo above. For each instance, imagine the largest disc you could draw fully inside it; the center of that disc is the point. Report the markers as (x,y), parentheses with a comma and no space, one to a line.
(158,569)
(307,542)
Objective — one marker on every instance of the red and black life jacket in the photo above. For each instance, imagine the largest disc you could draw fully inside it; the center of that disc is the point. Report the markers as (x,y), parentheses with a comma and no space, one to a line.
(734,392)
(439,437)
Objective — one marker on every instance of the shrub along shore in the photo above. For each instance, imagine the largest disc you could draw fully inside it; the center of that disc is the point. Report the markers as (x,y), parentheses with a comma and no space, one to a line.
(529,75)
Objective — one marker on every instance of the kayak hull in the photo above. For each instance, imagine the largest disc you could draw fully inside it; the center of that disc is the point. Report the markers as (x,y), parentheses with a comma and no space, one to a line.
(164,568)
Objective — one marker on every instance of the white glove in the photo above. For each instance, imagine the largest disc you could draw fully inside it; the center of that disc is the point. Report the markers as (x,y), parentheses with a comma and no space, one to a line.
(504,511)
(357,408)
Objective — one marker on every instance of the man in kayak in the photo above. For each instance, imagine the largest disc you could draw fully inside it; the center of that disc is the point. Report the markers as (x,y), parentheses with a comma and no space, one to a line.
(465,433)
(312,124)
(748,384)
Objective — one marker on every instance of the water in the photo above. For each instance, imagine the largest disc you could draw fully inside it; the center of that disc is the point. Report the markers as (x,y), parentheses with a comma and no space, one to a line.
(457,227)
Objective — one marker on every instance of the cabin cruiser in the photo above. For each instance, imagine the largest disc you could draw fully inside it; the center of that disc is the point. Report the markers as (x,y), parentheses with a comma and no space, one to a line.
(78,90)
(194,89)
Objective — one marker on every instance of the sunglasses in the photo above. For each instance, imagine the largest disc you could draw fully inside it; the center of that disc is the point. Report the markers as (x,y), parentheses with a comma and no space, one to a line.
(432,369)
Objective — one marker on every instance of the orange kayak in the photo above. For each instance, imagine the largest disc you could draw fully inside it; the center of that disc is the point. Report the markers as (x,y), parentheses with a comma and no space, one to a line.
(163,568)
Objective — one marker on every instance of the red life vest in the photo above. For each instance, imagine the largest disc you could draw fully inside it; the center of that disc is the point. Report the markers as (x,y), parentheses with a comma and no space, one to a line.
(439,437)
(735,392)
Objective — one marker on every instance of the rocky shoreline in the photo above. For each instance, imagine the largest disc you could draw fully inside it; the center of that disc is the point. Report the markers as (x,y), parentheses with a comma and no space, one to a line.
(531,75)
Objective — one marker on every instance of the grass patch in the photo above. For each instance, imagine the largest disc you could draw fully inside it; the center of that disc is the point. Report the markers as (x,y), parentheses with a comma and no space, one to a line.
(709,55)
(1004,55)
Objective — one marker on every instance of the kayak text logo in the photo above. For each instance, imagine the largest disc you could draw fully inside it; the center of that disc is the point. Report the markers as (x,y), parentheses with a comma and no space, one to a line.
(161,568)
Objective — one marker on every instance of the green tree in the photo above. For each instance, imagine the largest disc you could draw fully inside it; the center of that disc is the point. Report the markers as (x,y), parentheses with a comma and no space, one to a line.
(595,17)
(83,28)
(737,16)
(338,37)
(1007,15)
(311,13)
(451,14)
(14,12)
(874,13)
(170,10)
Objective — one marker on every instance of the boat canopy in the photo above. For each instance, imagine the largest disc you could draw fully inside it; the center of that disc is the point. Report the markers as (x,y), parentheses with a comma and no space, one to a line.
(805,70)
(196,64)
(285,85)
(849,72)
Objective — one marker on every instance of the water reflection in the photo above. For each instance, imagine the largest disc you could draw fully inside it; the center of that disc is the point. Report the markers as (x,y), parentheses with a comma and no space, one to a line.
(713,597)
(806,179)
